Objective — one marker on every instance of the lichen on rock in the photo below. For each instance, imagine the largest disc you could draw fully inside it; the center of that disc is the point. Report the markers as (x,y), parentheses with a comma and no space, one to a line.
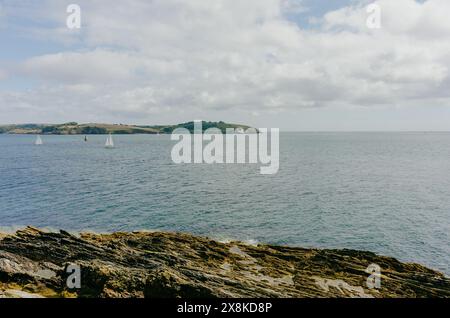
(33,263)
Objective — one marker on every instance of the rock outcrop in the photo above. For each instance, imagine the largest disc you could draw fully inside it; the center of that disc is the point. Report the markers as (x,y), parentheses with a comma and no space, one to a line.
(34,263)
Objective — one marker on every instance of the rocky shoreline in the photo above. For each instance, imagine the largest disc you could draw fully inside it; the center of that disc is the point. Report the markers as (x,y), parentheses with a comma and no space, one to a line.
(34,263)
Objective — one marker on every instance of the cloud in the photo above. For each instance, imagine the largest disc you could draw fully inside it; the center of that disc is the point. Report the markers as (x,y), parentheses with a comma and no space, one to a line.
(150,57)
(98,66)
(3,74)
(293,6)
(420,20)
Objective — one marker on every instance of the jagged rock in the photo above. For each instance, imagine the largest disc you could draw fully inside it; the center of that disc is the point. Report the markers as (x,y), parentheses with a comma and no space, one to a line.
(33,264)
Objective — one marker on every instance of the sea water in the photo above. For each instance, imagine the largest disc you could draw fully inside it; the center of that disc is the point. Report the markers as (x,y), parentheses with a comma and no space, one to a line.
(384,192)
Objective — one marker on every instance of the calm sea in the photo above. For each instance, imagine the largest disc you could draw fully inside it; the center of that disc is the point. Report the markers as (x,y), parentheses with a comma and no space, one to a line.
(384,192)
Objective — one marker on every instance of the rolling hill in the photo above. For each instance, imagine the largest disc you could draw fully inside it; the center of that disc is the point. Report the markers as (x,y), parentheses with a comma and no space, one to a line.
(73,128)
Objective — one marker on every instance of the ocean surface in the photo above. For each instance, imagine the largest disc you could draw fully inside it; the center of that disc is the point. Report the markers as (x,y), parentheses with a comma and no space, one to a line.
(384,192)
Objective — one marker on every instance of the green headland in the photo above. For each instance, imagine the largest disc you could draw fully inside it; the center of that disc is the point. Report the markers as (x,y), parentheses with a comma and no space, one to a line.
(73,128)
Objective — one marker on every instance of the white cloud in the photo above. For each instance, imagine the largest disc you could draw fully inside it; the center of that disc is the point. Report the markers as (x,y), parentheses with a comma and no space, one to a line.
(3,74)
(293,6)
(151,57)
(98,66)
(401,18)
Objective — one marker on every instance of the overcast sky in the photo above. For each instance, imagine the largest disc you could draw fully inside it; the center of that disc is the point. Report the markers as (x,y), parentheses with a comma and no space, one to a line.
(292,64)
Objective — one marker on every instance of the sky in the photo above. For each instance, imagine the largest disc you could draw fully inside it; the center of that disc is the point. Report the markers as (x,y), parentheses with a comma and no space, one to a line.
(297,65)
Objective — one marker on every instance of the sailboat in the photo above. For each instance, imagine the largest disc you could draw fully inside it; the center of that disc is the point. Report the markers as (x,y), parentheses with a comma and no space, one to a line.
(38,141)
(109,142)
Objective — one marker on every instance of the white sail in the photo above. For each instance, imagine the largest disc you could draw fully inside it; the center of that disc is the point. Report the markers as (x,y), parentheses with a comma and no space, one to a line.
(38,141)
(109,142)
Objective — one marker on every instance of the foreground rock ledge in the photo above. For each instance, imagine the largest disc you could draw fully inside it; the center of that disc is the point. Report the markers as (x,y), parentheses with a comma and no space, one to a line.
(33,264)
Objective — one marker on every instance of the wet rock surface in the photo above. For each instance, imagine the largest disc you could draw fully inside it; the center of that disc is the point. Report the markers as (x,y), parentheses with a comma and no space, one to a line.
(34,263)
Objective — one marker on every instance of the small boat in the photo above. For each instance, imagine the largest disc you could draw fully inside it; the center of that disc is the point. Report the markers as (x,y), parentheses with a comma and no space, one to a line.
(109,142)
(38,141)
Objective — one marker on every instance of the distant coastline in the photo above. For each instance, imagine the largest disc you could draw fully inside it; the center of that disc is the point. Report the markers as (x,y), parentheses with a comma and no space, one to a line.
(74,128)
